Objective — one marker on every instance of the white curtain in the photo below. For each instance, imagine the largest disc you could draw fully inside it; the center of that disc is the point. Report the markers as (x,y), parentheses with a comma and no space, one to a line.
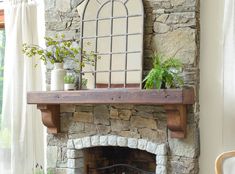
(21,76)
(229,83)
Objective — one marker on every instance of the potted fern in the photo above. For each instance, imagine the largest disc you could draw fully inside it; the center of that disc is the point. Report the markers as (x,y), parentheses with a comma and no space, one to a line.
(164,74)
(58,49)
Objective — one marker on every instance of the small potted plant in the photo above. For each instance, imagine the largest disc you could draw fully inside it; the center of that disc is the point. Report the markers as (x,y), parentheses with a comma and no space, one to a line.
(165,73)
(58,49)
(69,82)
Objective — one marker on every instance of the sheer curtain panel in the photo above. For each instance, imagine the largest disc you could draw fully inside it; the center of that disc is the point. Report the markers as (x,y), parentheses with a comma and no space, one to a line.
(21,76)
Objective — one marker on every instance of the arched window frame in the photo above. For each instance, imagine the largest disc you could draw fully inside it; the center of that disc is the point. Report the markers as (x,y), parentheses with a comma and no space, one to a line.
(111,37)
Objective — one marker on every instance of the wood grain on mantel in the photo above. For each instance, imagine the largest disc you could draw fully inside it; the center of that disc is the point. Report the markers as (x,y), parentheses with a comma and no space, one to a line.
(113,96)
(175,102)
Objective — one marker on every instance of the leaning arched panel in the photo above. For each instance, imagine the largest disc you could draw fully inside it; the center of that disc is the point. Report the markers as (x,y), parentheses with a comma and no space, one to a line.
(113,29)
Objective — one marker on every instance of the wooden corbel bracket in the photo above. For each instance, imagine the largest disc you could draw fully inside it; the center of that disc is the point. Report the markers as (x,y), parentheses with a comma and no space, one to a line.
(177,120)
(50,117)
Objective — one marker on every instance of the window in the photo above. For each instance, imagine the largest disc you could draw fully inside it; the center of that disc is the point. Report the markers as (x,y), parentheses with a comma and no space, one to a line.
(114,29)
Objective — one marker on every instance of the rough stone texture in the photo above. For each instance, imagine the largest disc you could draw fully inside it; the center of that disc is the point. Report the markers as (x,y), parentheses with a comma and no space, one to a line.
(142,144)
(132,143)
(86,117)
(187,147)
(151,147)
(171,28)
(75,163)
(161,170)
(67,108)
(62,5)
(161,28)
(119,125)
(140,122)
(112,140)
(95,140)
(179,43)
(52,156)
(101,114)
(72,154)
(122,141)
(125,114)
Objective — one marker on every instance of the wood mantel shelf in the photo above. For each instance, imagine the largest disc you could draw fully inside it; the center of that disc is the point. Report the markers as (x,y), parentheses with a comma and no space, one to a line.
(175,102)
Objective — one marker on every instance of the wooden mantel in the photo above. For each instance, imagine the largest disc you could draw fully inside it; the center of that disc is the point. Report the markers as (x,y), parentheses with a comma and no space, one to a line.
(175,102)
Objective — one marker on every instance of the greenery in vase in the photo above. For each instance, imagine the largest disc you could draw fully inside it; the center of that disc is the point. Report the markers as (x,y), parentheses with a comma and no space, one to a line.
(69,79)
(165,73)
(58,49)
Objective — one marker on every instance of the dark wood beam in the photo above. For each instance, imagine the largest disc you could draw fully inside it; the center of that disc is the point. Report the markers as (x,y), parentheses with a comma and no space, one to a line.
(114,96)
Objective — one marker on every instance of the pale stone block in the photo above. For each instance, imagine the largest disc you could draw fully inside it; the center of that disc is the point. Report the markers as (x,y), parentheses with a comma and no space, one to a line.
(161,160)
(122,141)
(67,108)
(86,117)
(151,147)
(113,113)
(104,140)
(74,154)
(51,156)
(70,144)
(101,115)
(49,4)
(187,147)
(132,143)
(75,171)
(78,143)
(141,122)
(75,163)
(119,125)
(142,144)
(152,135)
(178,43)
(161,149)
(160,11)
(63,5)
(112,140)
(102,129)
(125,114)
(131,134)
(177,2)
(95,140)
(76,127)
(161,169)
(86,142)
(161,28)
(60,171)
(162,18)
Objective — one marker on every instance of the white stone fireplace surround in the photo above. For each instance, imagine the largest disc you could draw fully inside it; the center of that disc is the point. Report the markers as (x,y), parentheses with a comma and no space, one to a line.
(74,164)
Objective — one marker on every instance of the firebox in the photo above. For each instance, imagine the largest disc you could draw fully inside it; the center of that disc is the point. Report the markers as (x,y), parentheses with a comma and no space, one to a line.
(118,160)
(111,154)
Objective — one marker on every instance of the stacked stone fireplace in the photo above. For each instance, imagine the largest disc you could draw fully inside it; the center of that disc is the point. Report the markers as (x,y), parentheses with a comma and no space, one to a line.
(96,136)
(132,135)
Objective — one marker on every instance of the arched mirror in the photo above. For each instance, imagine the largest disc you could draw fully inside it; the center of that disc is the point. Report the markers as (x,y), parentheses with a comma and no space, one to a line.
(113,29)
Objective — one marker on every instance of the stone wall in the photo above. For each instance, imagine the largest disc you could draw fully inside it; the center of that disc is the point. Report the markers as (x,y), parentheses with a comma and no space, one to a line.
(171,28)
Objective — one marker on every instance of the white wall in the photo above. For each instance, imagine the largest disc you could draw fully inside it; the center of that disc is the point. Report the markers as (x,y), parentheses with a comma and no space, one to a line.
(211,84)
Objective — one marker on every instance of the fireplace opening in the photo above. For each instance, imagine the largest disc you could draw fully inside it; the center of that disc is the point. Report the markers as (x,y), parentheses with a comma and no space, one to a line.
(118,160)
